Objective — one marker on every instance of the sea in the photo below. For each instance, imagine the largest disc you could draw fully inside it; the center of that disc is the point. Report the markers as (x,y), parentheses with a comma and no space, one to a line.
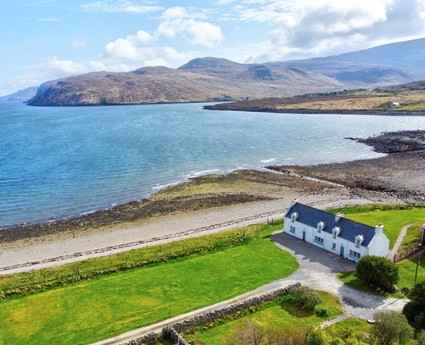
(62,162)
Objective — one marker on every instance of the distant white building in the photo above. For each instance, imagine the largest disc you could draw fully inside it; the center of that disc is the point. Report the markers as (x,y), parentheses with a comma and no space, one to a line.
(394,105)
(335,233)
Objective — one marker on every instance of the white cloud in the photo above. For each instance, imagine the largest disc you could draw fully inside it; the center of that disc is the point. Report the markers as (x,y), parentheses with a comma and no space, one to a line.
(61,67)
(122,6)
(132,47)
(325,27)
(178,21)
(48,19)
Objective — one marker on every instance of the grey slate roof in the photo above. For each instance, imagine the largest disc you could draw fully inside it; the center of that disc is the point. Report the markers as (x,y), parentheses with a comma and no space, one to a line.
(349,229)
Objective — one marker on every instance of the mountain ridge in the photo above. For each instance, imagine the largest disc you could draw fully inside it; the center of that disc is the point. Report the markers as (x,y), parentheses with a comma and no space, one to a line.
(217,79)
(191,83)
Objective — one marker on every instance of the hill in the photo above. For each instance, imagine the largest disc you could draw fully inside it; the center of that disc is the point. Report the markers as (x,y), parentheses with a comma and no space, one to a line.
(199,80)
(393,63)
(406,99)
(214,79)
(21,95)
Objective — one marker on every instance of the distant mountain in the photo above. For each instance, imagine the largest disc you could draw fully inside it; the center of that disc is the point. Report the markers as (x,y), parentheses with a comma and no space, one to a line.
(214,79)
(199,80)
(387,64)
(21,95)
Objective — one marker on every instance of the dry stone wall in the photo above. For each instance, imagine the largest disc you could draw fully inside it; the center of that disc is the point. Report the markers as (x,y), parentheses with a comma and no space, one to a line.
(172,332)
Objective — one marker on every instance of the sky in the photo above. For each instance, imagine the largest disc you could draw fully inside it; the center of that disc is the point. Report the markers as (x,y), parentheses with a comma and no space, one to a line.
(49,39)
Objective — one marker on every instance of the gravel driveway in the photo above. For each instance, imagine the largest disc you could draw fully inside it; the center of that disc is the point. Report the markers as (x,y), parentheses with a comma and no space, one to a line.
(318,270)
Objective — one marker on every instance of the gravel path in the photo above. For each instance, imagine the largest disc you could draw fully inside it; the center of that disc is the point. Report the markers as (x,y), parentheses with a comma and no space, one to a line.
(397,244)
(319,269)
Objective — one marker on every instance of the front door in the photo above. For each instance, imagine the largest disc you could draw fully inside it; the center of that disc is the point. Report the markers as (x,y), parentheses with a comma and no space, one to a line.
(341,252)
(303,235)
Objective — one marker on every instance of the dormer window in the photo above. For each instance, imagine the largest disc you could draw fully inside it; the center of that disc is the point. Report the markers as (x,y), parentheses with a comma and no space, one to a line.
(359,240)
(320,226)
(294,216)
(336,231)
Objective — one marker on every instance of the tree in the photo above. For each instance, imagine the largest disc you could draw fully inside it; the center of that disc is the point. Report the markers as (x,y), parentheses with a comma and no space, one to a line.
(306,298)
(415,309)
(421,338)
(247,334)
(391,328)
(418,292)
(295,335)
(378,271)
(318,337)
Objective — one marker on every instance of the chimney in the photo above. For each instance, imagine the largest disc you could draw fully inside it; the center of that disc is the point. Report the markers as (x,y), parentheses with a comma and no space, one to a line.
(379,229)
(338,216)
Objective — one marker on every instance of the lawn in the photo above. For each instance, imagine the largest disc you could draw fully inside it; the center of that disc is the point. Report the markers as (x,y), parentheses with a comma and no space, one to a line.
(108,305)
(276,315)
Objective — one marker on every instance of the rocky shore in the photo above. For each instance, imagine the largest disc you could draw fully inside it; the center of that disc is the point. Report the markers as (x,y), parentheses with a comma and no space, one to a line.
(218,202)
(399,174)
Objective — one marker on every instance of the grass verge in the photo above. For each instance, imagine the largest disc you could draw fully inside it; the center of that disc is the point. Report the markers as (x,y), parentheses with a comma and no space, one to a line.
(25,282)
(104,306)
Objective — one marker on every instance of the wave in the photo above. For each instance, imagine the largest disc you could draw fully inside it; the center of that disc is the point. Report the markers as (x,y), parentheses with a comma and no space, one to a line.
(270,160)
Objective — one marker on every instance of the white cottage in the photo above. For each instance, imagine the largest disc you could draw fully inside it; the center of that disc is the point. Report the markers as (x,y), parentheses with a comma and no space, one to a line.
(335,233)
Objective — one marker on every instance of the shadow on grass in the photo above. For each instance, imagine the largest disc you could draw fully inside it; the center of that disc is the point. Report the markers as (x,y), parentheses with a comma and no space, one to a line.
(293,310)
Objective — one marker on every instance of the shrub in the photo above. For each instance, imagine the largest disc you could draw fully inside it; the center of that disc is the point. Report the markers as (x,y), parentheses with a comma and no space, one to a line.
(391,328)
(318,337)
(415,309)
(321,311)
(378,272)
(306,298)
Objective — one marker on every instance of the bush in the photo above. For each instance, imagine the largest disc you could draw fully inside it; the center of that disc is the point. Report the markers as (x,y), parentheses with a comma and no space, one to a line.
(306,298)
(318,337)
(391,328)
(378,272)
(415,309)
(321,311)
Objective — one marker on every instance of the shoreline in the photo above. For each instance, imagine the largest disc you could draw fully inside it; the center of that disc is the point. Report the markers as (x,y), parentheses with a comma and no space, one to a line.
(213,203)
(319,111)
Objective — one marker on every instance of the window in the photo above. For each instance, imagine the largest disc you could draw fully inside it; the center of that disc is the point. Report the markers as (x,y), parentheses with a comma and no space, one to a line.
(318,240)
(336,231)
(294,216)
(292,229)
(333,246)
(354,254)
(320,226)
(358,240)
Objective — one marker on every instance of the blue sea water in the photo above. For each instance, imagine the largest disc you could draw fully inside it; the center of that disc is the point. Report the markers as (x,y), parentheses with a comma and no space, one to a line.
(60,162)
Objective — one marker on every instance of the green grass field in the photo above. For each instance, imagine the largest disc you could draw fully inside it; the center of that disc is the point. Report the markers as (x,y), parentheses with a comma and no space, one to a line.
(275,315)
(108,305)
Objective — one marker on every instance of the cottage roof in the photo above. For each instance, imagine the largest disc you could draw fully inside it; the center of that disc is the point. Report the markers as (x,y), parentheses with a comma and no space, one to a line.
(349,229)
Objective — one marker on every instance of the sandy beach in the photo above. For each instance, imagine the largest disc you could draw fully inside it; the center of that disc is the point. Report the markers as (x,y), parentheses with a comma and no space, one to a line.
(216,203)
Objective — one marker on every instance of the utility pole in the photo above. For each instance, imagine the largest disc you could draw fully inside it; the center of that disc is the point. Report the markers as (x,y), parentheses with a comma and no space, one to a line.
(419,255)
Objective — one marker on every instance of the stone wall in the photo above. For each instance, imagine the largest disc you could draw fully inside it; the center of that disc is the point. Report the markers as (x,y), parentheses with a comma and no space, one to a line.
(172,332)
(231,309)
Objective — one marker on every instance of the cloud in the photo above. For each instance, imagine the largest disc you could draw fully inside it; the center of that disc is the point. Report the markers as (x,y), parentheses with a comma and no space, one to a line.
(178,21)
(325,27)
(131,47)
(48,19)
(123,6)
(61,67)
